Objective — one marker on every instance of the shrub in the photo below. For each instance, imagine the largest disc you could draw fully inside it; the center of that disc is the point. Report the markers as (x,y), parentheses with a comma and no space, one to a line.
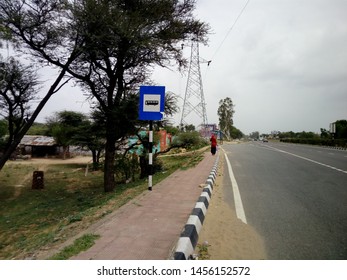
(127,167)
(189,140)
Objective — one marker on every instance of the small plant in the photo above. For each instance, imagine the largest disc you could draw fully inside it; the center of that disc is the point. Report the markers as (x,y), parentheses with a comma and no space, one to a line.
(75,218)
(203,251)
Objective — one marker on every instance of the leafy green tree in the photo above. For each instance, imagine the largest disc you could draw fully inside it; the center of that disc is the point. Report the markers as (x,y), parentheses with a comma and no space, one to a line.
(172,130)
(38,129)
(146,33)
(325,134)
(290,134)
(189,128)
(3,128)
(341,129)
(91,134)
(225,114)
(254,135)
(235,133)
(3,132)
(64,126)
(108,46)
(307,135)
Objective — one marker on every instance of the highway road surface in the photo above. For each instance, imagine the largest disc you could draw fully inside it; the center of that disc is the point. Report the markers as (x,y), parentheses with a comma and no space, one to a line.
(295,196)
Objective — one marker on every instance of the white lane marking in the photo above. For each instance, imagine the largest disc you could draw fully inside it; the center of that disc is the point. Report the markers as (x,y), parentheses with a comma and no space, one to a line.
(310,160)
(240,213)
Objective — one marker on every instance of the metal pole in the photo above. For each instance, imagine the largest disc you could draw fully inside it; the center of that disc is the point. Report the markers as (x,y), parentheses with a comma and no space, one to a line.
(150,157)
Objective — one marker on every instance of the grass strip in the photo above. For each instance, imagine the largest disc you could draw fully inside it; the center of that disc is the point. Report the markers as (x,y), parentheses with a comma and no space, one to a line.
(81,244)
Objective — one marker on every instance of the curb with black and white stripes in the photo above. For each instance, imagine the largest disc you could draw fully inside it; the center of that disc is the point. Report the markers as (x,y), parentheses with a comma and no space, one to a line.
(189,237)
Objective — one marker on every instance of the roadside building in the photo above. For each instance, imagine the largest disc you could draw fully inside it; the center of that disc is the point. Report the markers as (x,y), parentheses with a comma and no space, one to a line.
(38,146)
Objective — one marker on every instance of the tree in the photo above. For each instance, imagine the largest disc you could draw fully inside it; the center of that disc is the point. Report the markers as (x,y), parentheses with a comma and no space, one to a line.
(3,132)
(91,134)
(38,26)
(226,113)
(146,33)
(64,126)
(341,129)
(235,133)
(325,134)
(254,135)
(172,130)
(18,85)
(111,45)
(38,129)
(189,128)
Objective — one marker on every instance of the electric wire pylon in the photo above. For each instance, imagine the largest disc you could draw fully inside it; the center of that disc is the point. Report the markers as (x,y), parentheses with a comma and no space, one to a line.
(194,100)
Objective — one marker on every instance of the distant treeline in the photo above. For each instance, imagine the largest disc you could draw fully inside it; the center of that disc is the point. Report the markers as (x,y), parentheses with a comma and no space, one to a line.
(325,138)
(317,141)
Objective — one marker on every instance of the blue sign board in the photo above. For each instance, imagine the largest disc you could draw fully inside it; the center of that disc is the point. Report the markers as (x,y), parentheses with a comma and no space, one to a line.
(152,103)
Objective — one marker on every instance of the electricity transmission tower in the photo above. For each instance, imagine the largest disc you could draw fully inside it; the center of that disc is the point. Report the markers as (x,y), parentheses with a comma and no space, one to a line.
(194,100)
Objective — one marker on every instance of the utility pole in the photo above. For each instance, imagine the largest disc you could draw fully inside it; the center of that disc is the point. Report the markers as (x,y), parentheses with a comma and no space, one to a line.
(194,100)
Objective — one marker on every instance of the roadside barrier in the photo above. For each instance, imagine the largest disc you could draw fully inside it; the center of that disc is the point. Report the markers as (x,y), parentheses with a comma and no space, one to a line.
(189,237)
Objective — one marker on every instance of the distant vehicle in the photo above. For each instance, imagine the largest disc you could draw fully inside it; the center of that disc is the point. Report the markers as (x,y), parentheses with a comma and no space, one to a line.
(265,140)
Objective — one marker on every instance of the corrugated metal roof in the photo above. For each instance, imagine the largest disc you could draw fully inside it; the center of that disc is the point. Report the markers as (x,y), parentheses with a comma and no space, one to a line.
(37,140)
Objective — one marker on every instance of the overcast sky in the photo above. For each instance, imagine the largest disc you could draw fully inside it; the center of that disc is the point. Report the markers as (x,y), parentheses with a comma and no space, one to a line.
(283,64)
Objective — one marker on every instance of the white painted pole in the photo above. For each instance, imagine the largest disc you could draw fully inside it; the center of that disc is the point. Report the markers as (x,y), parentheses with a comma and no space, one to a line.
(150,157)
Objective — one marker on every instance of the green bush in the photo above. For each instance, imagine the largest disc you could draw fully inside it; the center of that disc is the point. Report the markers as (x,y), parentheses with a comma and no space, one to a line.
(127,167)
(190,140)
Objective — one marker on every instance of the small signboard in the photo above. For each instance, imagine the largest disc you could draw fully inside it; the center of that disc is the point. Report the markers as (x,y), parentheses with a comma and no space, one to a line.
(152,103)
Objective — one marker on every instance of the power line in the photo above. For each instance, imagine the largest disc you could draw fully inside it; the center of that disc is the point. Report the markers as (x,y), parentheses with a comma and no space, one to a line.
(231,28)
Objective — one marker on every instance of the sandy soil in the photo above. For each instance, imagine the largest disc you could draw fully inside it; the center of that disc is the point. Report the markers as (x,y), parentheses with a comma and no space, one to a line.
(227,236)
(48,161)
(42,165)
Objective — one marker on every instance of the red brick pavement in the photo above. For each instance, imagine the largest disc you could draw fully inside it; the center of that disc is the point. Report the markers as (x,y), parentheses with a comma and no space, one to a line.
(148,227)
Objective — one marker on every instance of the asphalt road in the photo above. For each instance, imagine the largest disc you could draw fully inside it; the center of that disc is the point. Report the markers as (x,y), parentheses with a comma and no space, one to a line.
(295,196)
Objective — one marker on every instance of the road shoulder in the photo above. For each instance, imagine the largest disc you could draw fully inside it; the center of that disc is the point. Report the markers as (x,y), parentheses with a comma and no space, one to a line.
(227,236)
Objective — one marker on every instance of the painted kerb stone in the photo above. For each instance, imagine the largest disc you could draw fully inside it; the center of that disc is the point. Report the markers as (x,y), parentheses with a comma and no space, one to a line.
(189,237)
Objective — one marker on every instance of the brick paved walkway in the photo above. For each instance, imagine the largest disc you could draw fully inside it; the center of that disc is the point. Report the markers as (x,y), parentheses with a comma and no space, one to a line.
(148,227)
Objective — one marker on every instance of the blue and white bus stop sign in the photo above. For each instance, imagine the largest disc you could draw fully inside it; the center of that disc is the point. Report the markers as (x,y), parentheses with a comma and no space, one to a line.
(152,103)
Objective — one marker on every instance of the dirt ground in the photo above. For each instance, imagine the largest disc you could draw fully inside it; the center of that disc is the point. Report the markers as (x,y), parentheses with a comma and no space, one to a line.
(227,236)
(48,161)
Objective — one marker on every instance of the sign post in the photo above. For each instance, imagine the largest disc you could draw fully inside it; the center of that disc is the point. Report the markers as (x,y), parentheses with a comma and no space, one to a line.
(152,103)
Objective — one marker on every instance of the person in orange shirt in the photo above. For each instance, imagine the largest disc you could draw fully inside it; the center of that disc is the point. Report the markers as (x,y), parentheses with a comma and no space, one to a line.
(213,144)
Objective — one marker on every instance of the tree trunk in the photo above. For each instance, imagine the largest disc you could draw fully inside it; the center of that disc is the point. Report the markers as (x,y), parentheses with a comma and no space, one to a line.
(143,167)
(109,169)
(110,151)
(65,151)
(95,163)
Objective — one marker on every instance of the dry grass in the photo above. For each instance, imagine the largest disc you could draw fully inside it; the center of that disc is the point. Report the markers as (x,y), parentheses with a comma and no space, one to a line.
(33,221)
